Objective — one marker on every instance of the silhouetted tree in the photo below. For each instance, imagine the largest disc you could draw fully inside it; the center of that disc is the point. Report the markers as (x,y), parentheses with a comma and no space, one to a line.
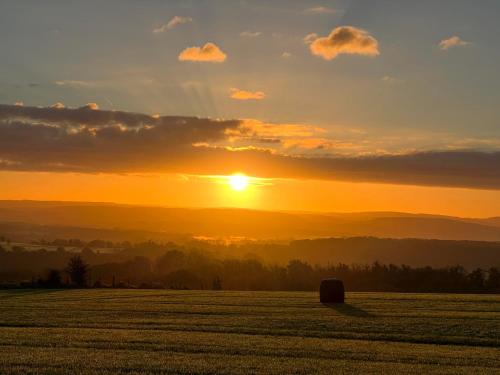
(53,279)
(476,278)
(493,282)
(77,270)
(217,283)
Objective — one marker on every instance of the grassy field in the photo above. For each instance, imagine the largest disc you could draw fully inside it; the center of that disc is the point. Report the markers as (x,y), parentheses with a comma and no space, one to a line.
(149,331)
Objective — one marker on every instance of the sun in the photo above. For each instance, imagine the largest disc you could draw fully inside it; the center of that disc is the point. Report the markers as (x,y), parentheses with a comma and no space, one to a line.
(238,181)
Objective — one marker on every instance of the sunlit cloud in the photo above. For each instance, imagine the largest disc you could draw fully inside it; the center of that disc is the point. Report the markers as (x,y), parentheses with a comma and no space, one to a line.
(58,105)
(95,141)
(454,41)
(345,40)
(246,95)
(175,21)
(286,55)
(208,53)
(91,106)
(256,129)
(309,143)
(19,103)
(250,34)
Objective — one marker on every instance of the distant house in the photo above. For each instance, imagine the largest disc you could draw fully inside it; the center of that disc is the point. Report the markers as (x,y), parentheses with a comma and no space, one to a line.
(331,291)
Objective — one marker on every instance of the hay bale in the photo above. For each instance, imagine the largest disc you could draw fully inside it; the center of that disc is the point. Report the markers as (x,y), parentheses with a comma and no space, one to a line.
(331,291)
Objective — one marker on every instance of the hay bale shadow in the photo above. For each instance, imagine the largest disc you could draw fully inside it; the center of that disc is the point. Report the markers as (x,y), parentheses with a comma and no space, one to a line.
(349,310)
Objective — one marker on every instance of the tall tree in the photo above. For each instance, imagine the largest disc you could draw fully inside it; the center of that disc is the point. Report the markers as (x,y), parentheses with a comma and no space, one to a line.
(78,270)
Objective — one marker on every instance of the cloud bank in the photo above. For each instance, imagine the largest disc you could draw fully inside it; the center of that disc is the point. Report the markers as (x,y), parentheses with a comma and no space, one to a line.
(93,141)
(208,53)
(343,40)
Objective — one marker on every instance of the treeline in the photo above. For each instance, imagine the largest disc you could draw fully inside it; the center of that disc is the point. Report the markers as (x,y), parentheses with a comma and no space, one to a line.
(75,242)
(353,250)
(193,269)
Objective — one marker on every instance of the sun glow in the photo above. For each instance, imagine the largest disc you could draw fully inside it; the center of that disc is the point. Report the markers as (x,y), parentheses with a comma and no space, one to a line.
(238,181)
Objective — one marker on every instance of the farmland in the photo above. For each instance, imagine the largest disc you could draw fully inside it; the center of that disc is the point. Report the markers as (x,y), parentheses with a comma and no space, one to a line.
(163,331)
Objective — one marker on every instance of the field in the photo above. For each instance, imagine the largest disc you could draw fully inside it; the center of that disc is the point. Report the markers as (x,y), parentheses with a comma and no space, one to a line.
(153,331)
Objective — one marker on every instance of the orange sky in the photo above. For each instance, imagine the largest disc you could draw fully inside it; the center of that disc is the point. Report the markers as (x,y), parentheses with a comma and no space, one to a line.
(340,107)
(277,194)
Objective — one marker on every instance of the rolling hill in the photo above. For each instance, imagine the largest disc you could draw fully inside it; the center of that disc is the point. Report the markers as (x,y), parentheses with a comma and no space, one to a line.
(224,222)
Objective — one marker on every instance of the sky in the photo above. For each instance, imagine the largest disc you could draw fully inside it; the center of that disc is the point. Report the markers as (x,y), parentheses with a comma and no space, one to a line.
(325,105)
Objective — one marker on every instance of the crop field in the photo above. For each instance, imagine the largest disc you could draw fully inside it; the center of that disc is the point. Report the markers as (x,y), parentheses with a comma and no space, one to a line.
(159,331)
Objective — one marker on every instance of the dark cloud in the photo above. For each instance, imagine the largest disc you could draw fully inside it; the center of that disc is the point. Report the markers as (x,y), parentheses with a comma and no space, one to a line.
(86,140)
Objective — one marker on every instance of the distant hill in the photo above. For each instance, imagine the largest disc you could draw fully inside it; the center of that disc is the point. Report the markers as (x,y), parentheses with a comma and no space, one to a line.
(224,222)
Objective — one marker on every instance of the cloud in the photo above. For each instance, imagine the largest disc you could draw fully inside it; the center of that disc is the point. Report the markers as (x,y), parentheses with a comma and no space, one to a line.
(260,129)
(19,103)
(175,21)
(208,53)
(88,106)
(286,55)
(81,139)
(392,80)
(345,40)
(250,34)
(454,41)
(246,95)
(73,83)
(91,106)
(94,141)
(320,10)
(309,38)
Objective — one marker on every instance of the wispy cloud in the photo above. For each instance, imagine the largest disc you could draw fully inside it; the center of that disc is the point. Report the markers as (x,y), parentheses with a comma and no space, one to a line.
(392,80)
(175,21)
(320,10)
(345,40)
(74,83)
(454,41)
(210,52)
(246,95)
(250,34)
(309,38)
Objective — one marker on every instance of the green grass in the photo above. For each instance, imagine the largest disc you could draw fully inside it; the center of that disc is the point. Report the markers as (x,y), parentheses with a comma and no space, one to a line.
(145,331)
